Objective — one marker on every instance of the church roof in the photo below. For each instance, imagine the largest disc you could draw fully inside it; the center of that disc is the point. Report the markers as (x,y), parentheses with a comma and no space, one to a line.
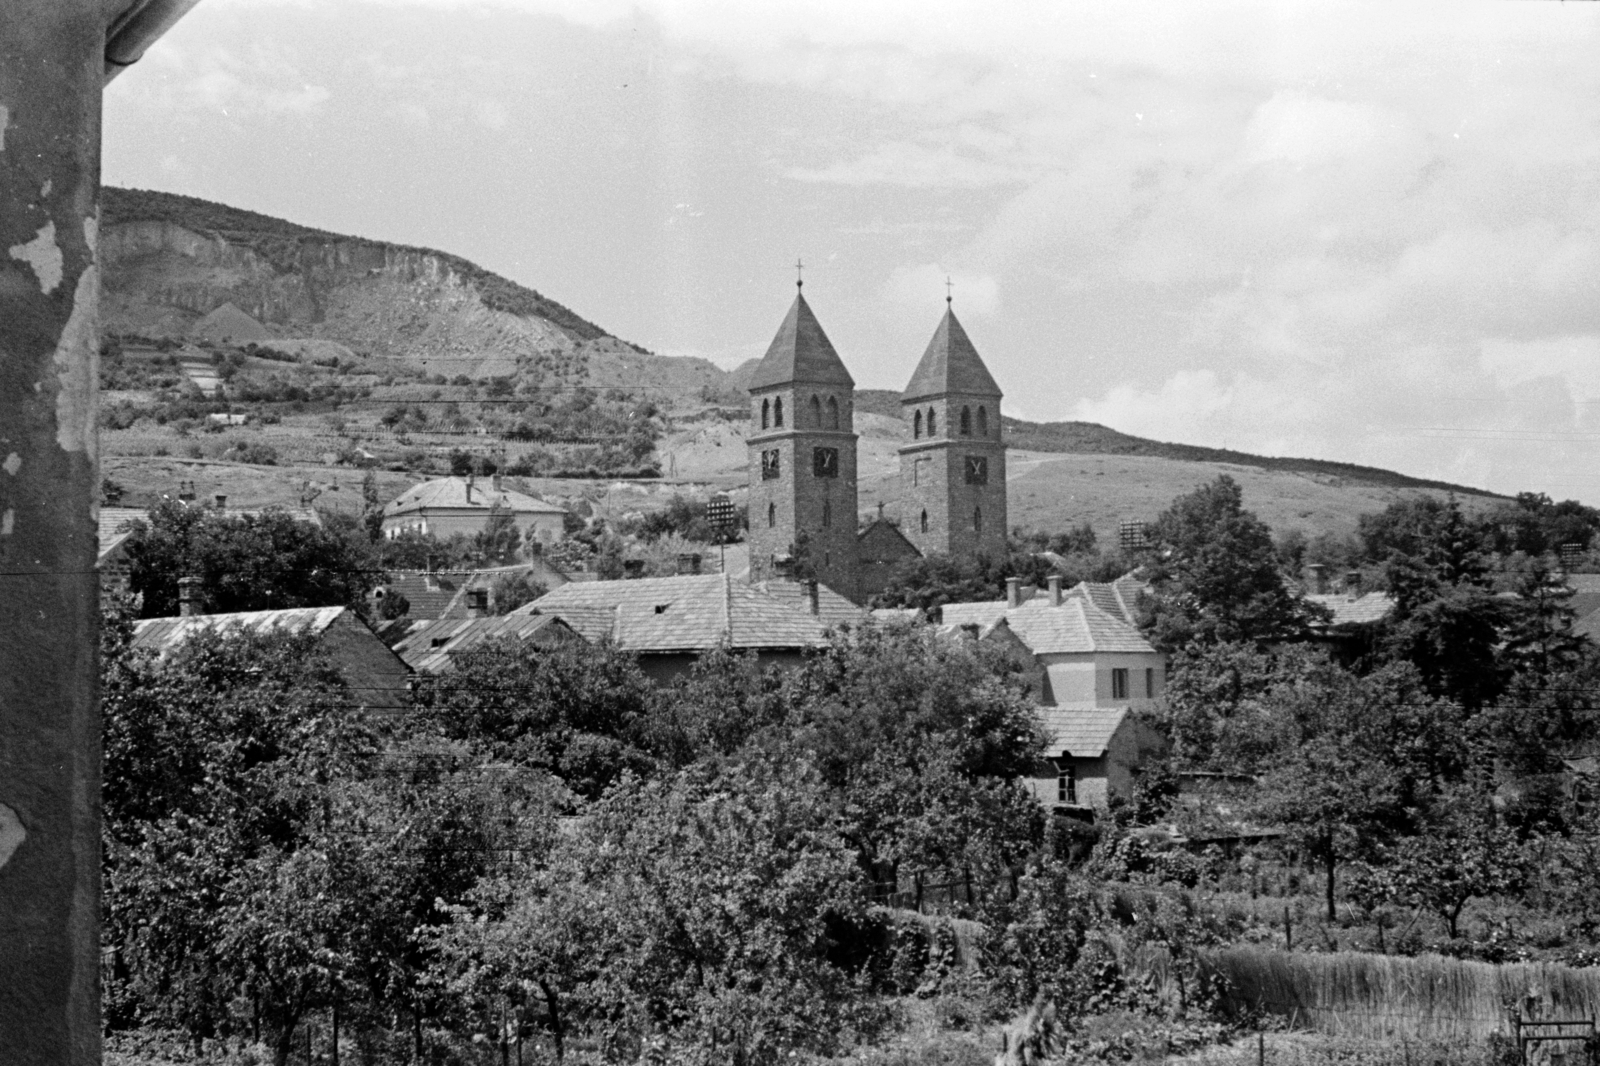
(951,364)
(800,352)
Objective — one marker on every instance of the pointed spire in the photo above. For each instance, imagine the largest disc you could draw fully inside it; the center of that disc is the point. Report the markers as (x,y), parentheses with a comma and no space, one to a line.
(951,364)
(800,352)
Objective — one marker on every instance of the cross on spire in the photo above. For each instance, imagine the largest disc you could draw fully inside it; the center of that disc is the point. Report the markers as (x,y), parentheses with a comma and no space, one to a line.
(948,289)
(799,274)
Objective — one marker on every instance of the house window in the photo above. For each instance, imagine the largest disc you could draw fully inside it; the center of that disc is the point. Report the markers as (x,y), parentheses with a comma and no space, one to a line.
(1119,684)
(833,413)
(966,421)
(816,412)
(1066,781)
(777,412)
(1149,683)
(924,521)
(916,425)
(825,462)
(983,422)
(772,515)
(766,412)
(770,464)
(933,430)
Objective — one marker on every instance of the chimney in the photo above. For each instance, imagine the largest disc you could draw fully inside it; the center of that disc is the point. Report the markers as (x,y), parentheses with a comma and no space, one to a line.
(470,480)
(222,501)
(1054,583)
(880,510)
(188,597)
(1319,578)
(113,495)
(496,481)
(688,562)
(812,598)
(477,603)
(1013,592)
(783,565)
(1352,583)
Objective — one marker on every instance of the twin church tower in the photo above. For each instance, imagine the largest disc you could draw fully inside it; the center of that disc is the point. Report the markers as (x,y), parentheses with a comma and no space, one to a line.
(951,491)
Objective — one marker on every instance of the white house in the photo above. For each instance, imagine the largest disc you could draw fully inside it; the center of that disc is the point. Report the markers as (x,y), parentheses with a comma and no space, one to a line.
(451,505)
(1099,673)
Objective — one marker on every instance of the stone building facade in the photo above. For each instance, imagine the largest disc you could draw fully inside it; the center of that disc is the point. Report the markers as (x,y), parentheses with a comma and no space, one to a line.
(951,496)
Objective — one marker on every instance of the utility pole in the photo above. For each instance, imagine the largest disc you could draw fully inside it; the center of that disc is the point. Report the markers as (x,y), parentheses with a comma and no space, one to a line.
(55,56)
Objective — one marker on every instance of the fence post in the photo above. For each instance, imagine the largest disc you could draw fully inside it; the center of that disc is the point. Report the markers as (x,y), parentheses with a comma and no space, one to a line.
(1288,931)
(1261,1049)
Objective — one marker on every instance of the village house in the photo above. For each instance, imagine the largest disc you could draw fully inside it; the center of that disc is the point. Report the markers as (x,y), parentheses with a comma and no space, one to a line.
(432,647)
(377,676)
(449,505)
(670,622)
(1098,677)
(431,594)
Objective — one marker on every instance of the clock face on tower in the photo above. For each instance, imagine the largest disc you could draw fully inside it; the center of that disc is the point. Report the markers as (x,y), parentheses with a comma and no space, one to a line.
(825,462)
(977,470)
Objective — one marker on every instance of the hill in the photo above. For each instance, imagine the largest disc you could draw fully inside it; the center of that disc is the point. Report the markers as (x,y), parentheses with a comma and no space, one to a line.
(345,350)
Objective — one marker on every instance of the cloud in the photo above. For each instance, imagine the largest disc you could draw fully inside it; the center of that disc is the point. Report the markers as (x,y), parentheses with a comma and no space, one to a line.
(912,165)
(916,288)
(258,82)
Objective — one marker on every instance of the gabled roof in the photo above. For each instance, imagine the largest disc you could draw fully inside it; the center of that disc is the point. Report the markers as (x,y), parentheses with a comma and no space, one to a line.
(800,352)
(950,364)
(1355,610)
(1083,732)
(465,494)
(1075,627)
(429,647)
(162,635)
(695,613)
(1119,598)
(886,542)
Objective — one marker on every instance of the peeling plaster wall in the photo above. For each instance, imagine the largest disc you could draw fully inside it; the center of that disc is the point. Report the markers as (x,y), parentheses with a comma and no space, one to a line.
(50,84)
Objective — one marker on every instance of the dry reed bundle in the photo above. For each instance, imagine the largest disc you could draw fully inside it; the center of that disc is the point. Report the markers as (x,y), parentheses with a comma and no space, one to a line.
(1386,996)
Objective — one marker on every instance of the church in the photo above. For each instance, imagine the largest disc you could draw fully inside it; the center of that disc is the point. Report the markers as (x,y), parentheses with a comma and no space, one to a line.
(803,504)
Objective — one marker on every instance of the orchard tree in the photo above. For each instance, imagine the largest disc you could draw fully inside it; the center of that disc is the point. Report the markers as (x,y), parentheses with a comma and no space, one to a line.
(1462,854)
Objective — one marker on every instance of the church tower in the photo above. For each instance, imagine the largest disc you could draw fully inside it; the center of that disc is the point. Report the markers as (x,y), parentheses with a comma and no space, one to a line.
(803,457)
(953,470)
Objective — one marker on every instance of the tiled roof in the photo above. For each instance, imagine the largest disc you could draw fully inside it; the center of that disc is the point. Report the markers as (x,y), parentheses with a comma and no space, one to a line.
(1084,732)
(695,613)
(800,352)
(950,364)
(1076,626)
(1584,582)
(161,635)
(428,647)
(1119,598)
(459,493)
(442,593)
(1355,610)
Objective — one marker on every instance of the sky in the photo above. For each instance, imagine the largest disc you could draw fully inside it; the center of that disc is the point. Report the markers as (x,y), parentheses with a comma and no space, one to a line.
(1348,231)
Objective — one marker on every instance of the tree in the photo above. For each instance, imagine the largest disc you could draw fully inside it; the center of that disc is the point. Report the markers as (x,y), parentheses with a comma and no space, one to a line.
(1215,574)
(1327,793)
(246,562)
(1462,854)
(498,542)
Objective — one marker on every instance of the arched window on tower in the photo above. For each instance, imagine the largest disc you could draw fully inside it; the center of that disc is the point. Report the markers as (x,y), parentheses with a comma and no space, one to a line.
(827,513)
(916,425)
(977,519)
(933,426)
(966,421)
(816,412)
(924,521)
(777,412)
(772,515)
(833,413)
(983,422)
(766,412)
